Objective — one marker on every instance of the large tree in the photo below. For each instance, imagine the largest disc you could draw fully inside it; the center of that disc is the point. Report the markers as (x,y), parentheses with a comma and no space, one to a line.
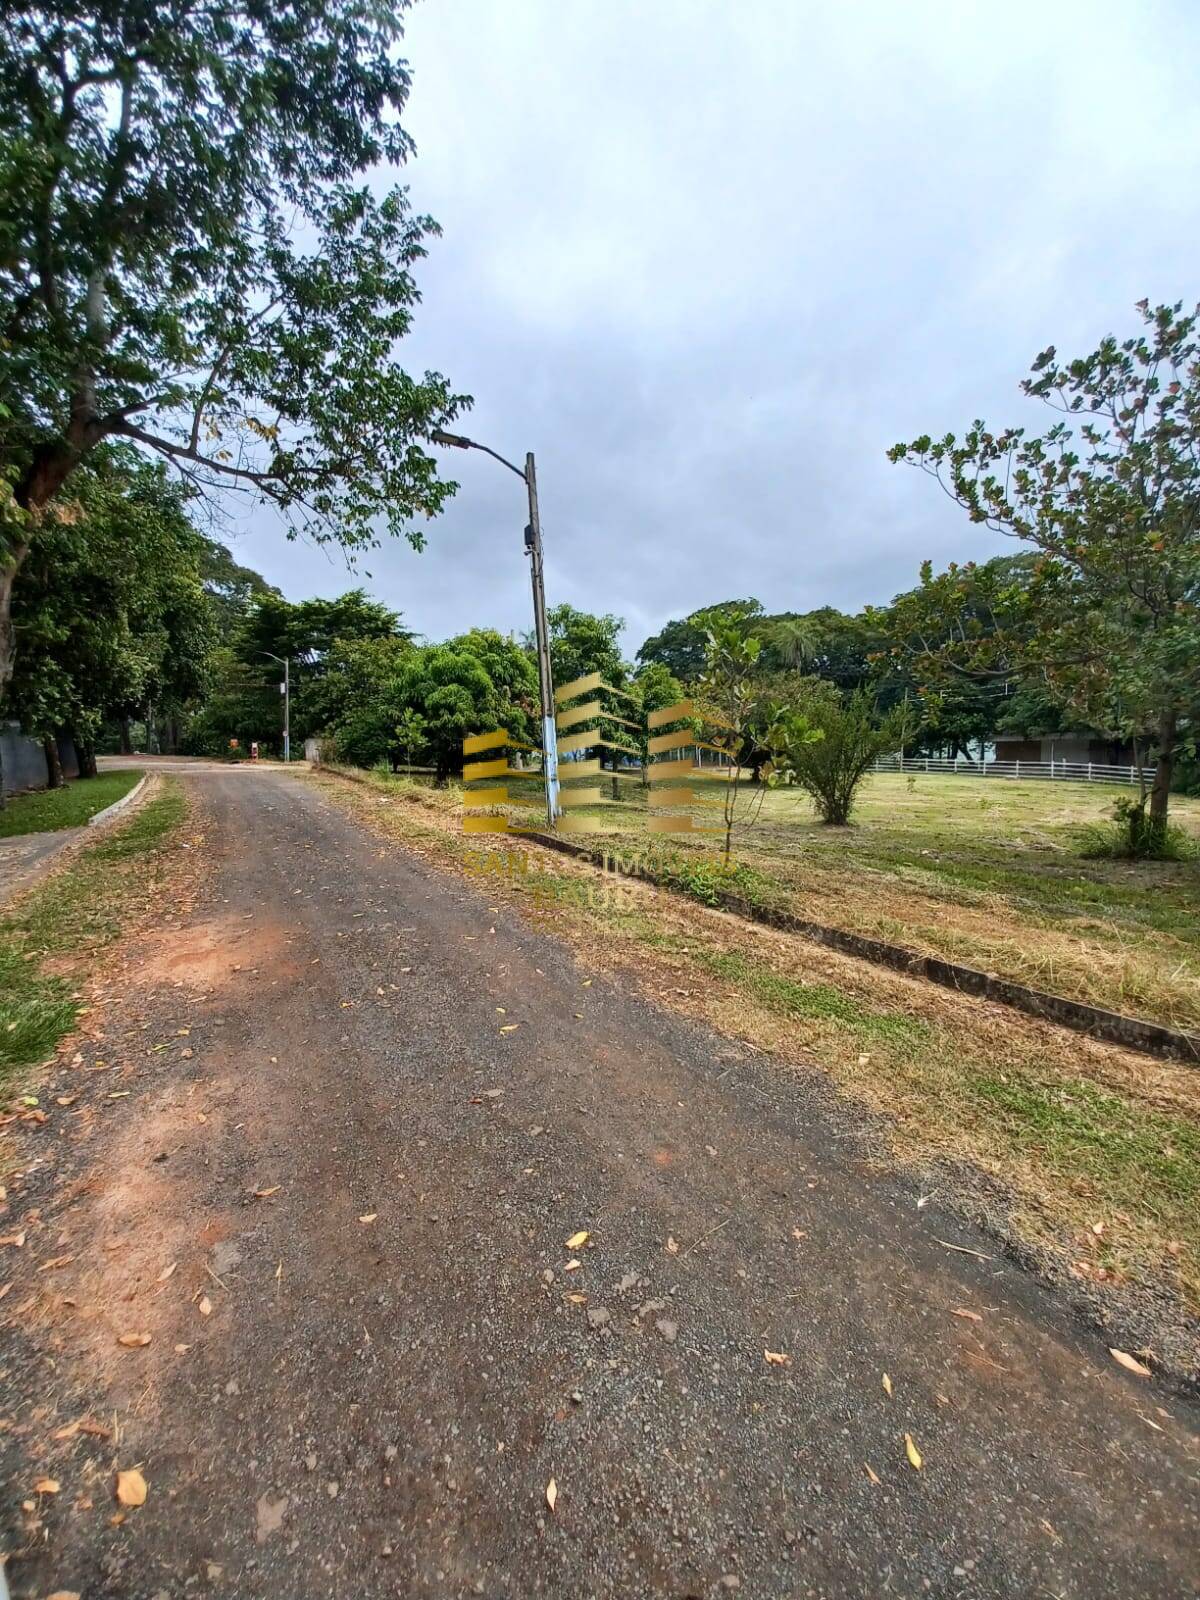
(111,615)
(190,260)
(1112,512)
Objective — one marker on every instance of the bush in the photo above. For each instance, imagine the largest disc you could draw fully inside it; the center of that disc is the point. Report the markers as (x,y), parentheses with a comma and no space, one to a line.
(1133,836)
(831,767)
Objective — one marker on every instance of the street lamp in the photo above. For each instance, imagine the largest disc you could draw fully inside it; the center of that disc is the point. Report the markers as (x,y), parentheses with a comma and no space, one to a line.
(533,547)
(286,686)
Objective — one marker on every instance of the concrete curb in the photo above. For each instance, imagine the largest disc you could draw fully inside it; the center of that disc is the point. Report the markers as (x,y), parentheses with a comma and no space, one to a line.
(1151,1038)
(120,805)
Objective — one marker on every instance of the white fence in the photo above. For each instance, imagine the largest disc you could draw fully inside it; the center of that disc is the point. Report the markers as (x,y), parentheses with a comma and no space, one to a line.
(1076,771)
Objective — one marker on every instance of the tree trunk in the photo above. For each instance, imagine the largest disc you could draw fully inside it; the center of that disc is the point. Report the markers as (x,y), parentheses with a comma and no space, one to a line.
(87,757)
(126,737)
(1161,791)
(54,771)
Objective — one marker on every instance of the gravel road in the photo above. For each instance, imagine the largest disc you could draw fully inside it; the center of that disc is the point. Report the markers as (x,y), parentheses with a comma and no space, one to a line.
(390,1110)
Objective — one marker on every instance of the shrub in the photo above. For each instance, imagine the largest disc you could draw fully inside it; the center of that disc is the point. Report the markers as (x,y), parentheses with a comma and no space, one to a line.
(1133,836)
(852,734)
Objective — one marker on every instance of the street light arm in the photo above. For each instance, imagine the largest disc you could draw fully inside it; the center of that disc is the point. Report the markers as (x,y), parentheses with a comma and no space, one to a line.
(458,441)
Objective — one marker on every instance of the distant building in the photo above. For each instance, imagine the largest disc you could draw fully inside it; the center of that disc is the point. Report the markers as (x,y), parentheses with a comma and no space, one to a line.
(1074,747)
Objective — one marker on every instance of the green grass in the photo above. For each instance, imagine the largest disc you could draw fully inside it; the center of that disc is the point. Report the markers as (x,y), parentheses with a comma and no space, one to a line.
(72,915)
(987,872)
(1140,1160)
(48,810)
(1076,1137)
(816,1000)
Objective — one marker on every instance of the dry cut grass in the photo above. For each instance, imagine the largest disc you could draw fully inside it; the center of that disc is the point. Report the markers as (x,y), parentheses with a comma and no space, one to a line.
(1088,1154)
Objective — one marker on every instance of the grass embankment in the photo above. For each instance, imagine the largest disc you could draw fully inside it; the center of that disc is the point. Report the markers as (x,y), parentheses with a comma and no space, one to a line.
(60,925)
(1096,1150)
(986,872)
(48,810)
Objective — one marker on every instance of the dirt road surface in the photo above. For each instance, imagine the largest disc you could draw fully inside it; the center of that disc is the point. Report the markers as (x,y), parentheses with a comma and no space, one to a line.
(338,1206)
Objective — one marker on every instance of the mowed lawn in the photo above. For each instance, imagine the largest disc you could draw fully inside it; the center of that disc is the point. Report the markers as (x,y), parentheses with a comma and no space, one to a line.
(48,810)
(982,871)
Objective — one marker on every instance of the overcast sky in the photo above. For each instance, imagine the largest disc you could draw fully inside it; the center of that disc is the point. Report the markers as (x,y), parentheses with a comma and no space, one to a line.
(709,260)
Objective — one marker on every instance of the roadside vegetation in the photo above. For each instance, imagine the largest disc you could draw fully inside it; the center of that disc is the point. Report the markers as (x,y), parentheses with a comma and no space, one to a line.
(48,810)
(986,872)
(52,934)
(1084,1153)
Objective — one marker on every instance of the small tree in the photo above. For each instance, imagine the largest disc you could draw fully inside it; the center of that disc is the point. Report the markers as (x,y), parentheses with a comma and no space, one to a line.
(1112,615)
(849,736)
(733,719)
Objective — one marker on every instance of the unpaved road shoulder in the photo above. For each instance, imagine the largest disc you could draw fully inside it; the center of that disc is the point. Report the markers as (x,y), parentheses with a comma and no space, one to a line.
(338,1206)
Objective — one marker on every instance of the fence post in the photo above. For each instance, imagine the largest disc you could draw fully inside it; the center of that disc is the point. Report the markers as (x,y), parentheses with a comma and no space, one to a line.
(1131,774)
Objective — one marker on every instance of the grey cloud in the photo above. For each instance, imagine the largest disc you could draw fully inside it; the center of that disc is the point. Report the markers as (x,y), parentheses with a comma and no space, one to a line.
(710,261)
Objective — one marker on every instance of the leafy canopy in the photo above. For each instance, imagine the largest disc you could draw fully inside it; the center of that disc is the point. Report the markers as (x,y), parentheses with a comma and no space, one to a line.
(189,259)
(112,614)
(1111,510)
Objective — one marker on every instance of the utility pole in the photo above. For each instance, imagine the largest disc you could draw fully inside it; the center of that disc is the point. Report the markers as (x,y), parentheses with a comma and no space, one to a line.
(287,708)
(285,689)
(533,548)
(533,543)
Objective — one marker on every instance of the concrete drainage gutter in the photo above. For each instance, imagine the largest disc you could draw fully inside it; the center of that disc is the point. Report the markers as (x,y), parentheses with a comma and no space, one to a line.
(1152,1038)
(113,810)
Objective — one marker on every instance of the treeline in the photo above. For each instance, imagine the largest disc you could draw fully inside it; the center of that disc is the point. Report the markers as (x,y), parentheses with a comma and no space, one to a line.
(136,628)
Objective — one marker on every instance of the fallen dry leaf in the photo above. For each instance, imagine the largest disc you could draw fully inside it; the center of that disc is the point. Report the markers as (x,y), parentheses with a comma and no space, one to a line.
(510,1027)
(265,1194)
(887,1385)
(1130,1363)
(205,1306)
(869,1473)
(577,1240)
(969,1316)
(131,1488)
(573,1265)
(133,1341)
(55,1261)
(166,1272)
(15,1239)
(552,1494)
(369,1217)
(913,1454)
(672,1246)
(46,1486)
(777,1358)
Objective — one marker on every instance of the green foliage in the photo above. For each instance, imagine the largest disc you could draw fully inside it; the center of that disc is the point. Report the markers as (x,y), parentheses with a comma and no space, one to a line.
(231,589)
(819,1001)
(449,689)
(850,735)
(160,168)
(1110,619)
(191,260)
(111,612)
(710,880)
(734,719)
(327,676)
(682,646)
(74,914)
(1134,836)
(47,810)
